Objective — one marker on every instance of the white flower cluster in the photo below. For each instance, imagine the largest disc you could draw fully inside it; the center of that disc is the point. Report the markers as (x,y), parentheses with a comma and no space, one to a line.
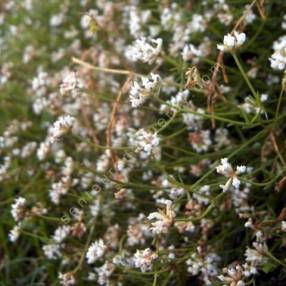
(52,251)
(207,266)
(234,275)
(231,42)
(67,279)
(143,259)
(104,272)
(143,88)
(15,232)
(137,18)
(161,221)
(278,58)
(194,118)
(61,233)
(190,51)
(250,105)
(283,225)
(137,231)
(145,50)
(200,140)
(63,125)
(95,251)
(71,83)
(19,209)
(175,102)
(146,143)
(4,174)
(60,127)
(20,213)
(62,186)
(225,169)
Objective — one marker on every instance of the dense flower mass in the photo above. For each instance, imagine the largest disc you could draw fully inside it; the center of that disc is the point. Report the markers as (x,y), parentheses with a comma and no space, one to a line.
(143,143)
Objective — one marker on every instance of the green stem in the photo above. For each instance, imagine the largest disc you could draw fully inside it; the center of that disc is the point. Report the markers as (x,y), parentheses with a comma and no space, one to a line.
(271,256)
(155,279)
(243,73)
(167,123)
(279,103)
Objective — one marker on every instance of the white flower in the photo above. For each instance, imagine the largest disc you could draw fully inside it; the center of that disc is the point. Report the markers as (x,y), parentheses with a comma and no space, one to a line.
(19,208)
(226,169)
(204,265)
(145,142)
(256,255)
(71,83)
(137,18)
(28,149)
(190,51)
(162,220)
(283,226)
(200,140)
(249,270)
(61,233)
(15,233)
(143,88)
(175,102)
(104,272)
(60,127)
(95,251)
(52,251)
(231,42)
(145,50)
(278,58)
(143,259)
(253,256)
(233,276)
(250,106)
(67,279)
(203,195)
(264,97)
(192,120)
(85,21)
(56,20)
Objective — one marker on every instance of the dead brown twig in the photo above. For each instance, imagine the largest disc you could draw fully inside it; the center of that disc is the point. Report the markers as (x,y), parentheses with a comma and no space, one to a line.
(276,148)
(211,88)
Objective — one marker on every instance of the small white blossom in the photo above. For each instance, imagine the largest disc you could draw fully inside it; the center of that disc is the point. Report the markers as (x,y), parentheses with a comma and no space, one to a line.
(283,225)
(67,279)
(104,272)
(225,169)
(95,251)
(234,275)
(19,208)
(162,220)
(200,140)
(143,88)
(145,50)
(205,266)
(15,233)
(143,259)
(231,42)
(61,233)
(52,251)
(56,20)
(71,83)
(278,58)
(60,127)
(145,142)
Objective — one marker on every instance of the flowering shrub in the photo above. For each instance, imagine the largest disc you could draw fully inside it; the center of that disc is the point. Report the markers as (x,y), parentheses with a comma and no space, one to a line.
(143,142)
